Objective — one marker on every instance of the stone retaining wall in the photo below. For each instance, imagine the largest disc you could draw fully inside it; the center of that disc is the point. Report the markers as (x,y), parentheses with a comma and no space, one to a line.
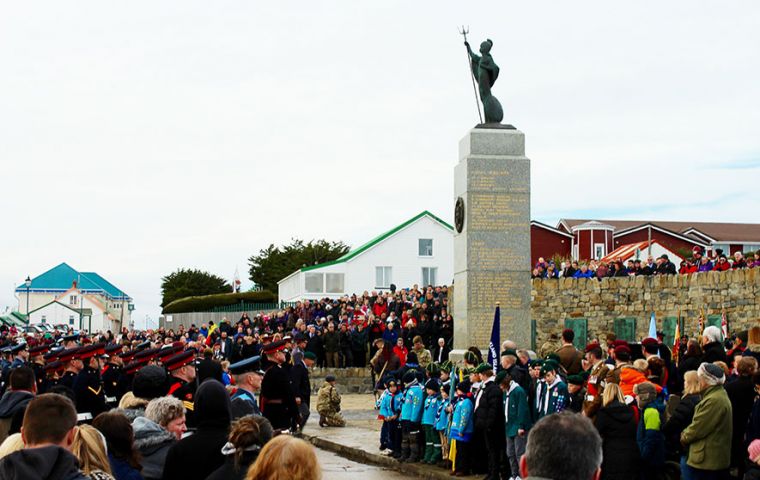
(349,380)
(601,302)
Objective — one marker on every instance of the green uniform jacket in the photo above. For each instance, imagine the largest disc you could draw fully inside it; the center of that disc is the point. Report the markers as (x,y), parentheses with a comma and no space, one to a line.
(709,435)
(517,410)
(328,399)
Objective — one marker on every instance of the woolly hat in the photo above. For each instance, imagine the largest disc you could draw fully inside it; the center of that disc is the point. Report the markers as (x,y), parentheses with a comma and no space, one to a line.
(150,382)
(409,376)
(464,386)
(712,373)
(432,384)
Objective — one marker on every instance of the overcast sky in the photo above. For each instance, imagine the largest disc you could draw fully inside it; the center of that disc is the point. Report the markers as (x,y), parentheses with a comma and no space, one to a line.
(139,137)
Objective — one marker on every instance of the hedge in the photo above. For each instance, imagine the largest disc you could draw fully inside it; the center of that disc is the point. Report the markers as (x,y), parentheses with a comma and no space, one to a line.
(205,303)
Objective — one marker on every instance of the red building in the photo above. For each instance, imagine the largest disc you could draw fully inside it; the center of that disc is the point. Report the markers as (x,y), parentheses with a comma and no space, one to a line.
(546,242)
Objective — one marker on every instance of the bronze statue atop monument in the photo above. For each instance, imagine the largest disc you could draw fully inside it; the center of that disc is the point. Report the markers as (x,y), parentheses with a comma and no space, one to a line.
(484,71)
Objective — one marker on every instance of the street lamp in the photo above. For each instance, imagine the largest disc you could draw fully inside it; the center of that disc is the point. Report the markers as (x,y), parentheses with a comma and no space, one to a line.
(28,283)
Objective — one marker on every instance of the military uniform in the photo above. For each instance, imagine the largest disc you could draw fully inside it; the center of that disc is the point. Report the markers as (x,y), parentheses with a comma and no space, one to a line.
(67,379)
(244,402)
(182,389)
(88,386)
(328,406)
(112,382)
(278,404)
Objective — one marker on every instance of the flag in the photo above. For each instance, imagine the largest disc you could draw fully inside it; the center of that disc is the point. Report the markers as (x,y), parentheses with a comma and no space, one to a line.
(652,326)
(724,324)
(701,324)
(493,353)
(677,339)
(236,282)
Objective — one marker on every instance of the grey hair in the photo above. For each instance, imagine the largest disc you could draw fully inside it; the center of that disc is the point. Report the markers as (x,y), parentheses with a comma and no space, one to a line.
(163,410)
(552,450)
(712,333)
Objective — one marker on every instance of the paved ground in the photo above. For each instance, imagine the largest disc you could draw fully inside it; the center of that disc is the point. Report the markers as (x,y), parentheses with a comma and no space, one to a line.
(335,467)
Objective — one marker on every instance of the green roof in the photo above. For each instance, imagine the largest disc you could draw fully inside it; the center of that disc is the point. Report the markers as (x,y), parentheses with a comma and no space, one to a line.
(62,277)
(363,248)
(14,318)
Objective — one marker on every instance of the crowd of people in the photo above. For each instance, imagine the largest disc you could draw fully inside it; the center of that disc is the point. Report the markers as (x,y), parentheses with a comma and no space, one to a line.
(691,412)
(698,262)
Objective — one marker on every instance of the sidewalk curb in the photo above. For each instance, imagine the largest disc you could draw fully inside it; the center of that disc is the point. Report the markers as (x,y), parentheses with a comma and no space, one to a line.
(358,455)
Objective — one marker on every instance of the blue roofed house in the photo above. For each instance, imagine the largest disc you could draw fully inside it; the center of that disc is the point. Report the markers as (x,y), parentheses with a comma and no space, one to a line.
(419,251)
(82,300)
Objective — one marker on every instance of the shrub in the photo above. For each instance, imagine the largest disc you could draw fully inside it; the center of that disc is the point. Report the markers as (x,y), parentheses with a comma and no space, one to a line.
(205,303)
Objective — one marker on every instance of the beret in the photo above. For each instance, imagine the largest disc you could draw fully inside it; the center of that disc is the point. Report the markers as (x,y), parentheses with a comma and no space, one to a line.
(509,351)
(592,346)
(649,341)
(501,376)
(483,367)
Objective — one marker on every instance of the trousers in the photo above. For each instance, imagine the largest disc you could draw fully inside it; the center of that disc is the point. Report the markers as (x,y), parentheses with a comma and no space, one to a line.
(515,450)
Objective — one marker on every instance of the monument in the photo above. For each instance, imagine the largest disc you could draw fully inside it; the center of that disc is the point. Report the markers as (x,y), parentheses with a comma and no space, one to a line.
(492,219)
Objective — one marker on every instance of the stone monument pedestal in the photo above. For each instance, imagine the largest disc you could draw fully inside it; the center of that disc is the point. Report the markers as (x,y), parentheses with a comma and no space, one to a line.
(492,243)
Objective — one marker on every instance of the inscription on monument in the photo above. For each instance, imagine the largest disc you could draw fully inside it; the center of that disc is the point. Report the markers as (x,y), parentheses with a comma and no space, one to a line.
(487,288)
(496,181)
(494,213)
(487,257)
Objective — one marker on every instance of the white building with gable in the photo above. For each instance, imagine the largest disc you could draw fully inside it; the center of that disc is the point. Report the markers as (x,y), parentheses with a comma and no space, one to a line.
(419,251)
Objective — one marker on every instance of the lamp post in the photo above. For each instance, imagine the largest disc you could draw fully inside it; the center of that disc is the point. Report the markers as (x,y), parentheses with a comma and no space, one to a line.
(28,283)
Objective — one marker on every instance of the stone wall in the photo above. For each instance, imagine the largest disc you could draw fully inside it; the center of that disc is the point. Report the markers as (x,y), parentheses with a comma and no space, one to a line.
(349,380)
(601,302)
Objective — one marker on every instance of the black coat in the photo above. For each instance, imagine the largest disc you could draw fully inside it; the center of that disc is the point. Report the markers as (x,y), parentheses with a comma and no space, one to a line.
(741,393)
(713,352)
(277,401)
(443,352)
(617,426)
(229,471)
(678,421)
(208,368)
(688,364)
(299,377)
(489,414)
(196,456)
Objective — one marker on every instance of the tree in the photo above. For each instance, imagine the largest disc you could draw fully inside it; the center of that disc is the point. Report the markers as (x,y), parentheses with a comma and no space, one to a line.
(187,282)
(272,264)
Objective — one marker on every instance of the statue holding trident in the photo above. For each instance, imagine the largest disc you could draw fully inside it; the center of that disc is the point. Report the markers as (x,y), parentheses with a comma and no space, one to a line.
(485,71)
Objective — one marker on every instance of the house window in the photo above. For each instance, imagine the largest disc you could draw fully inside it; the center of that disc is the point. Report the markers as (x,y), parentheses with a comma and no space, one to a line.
(71,319)
(751,247)
(429,276)
(72,299)
(721,246)
(315,282)
(383,277)
(598,250)
(334,282)
(426,247)
(44,318)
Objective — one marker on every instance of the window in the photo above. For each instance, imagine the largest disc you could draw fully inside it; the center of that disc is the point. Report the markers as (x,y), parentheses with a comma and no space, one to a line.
(751,247)
(315,282)
(383,277)
(72,299)
(429,276)
(426,247)
(598,250)
(722,246)
(44,318)
(71,319)
(334,282)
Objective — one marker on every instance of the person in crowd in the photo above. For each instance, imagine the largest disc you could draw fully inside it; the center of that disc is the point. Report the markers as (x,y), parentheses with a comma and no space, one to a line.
(22,388)
(553,449)
(248,436)
(207,368)
(617,425)
(328,404)
(248,375)
(213,416)
(401,351)
(665,266)
(510,364)
(576,393)
(741,394)
(649,434)
(89,447)
(432,453)
(705,265)
(332,346)
(552,395)
(13,443)
(753,343)
(442,423)
(708,436)
(390,409)
(424,358)
(488,418)
(517,420)
(691,359)
(285,457)
(681,418)
(48,433)
(712,346)
(462,428)
(569,357)
(278,403)
(359,341)
(584,272)
(384,360)
(722,264)
(411,417)
(441,351)
(299,377)
(122,454)
(162,426)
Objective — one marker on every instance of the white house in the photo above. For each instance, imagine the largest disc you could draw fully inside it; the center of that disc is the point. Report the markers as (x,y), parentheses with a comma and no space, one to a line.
(82,300)
(419,251)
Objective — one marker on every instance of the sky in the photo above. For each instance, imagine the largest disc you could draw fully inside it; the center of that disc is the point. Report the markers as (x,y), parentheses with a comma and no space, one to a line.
(140,137)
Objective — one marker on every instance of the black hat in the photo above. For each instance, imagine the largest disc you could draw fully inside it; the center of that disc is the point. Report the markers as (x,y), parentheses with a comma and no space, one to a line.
(18,348)
(180,360)
(432,384)
(143,345)
(113,349)
(409,376)
(71,338)
(274,347)
(464,386)
(252,364)
(150,382)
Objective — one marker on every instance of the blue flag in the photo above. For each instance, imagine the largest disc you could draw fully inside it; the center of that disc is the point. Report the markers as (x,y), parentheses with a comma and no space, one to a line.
(495,344)
(652,326)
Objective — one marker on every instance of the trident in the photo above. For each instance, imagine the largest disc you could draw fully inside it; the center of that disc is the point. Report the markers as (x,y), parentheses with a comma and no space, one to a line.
(464,31)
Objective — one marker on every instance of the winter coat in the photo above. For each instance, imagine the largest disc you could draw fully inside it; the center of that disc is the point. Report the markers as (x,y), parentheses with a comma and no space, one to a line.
(213,416)
(650,438)
(516,410)
(461,420)
(332,341)
(154,443)
(688,363)
(229,471)
(741,394)
(123,470)
(489,412)
(411,408)
(714,352)
(709,433)
(43,463)
(616,424)
(570,358)
(630,377)
(12,408)
(678,421)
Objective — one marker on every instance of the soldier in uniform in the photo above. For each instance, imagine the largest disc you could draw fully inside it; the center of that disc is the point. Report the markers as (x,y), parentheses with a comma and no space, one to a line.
(248,376)
(112,374)
(182,383)
(328,404)
(598,370)
(70,341)
(22,355)
(277,400)
(38,367)
(622,355)
(53,371)
(72,366)
(88,387)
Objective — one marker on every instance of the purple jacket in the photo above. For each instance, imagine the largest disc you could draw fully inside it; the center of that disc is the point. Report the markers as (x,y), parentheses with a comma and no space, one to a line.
(705,267)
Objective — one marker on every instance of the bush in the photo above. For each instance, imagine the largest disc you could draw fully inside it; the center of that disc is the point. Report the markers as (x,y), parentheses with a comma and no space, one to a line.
(207,302)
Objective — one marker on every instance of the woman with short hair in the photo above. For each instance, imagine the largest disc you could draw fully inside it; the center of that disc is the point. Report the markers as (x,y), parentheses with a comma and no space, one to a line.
(160,428)
(286,457)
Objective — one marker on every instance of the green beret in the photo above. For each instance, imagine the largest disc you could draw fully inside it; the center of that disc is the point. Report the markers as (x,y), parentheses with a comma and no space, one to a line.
(433,368)
(537,363)
(548,367)
(483,367)
(575,379)
(470,357)
(446,366)
(501,376)
(509,351)
(553,356)
(310,355)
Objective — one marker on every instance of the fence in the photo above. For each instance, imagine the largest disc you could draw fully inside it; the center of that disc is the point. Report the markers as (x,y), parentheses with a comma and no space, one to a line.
(217,314)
